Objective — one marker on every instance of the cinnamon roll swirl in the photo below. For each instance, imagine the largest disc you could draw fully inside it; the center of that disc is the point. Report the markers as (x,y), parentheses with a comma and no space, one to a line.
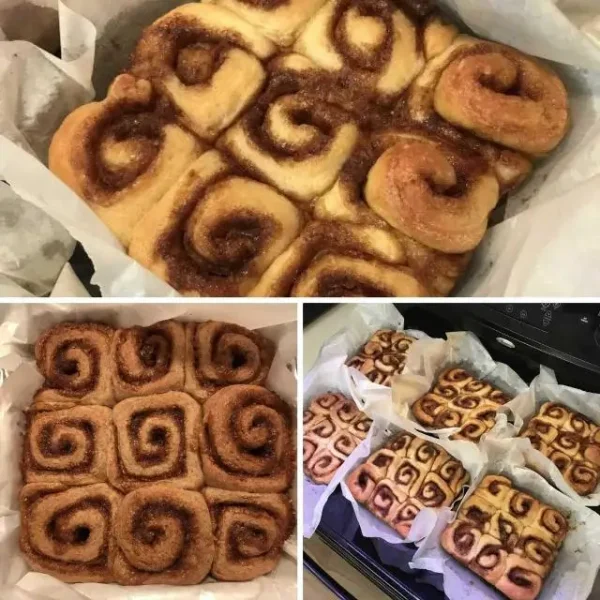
(427,408)
(435,492)
(148,360)
(247,440)
(68,446)
(452,472)
(408,477)
(461,540)
(490,562)
(536,550)
(522,506)
(216,231)
(164,536)
(538,444)
(279,20)
(400,443)
(362,481)
(506,528)
(403,519)
(560,459)
(591,453)
(582,477)
(555,414)
(294,140)
(449,418)
(474,81)
(157,442)
(122,154)
(382,461)
(322,466)
(579,424)
(222,354)
(195,55)
(455,377)
(542,428)
(341,260)
(372,42)
(425,454)
(69,533)
(386,500)
(478,511)
(249,531)
(519,581)
(360,427)
(432,192)
(74,359)
(552,526)
(567,442)
(494,489)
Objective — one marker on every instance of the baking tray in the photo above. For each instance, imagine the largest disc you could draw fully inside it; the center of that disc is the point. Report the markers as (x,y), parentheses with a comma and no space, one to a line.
(564,337)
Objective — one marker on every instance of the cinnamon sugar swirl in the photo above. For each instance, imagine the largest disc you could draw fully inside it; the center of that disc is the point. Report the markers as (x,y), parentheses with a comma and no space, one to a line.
(68,532)
(148,360)
(247,440)
(222,354)
(507,537)
(570,440)
(195,56)
(404,477)
(216,232)
(70,446)
(74,359)
(164,536)
(249,531)
(122,154)
(157,441)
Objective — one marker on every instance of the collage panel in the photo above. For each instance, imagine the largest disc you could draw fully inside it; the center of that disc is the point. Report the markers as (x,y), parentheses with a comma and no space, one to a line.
(148,445)
(451,451)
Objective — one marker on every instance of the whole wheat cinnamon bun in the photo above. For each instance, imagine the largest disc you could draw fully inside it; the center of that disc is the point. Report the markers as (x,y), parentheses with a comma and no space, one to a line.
(164,536)
(70,446)
(495,92)
(196,55)
(216,232)
(339,259)
(148,360)
(122,154)
(279,20)
(69,532)
(292,138)
(372,41)
(223,354)
(74,359)
(249,531)
(433,193)
(246,441)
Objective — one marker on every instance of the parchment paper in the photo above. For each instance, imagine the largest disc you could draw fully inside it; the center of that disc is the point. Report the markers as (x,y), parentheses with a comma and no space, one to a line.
(428,357)
(545,388)
(578,561)
(546,245)
(19,327)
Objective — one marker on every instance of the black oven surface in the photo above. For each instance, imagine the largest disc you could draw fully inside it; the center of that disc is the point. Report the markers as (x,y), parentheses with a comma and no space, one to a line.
(563,337)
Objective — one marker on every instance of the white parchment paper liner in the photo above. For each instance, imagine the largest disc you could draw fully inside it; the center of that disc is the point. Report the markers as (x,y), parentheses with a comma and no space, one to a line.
(467,453)
(545,388)
(429,357)
(577,563)
(546,245)
(19,327)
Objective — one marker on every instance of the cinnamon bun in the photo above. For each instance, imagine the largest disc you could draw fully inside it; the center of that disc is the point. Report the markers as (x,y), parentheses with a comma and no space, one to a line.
(372,42)
(520,581)
(494,489)
(386,500)
(582,477)
(490,561)
(522,506)
(560,459)
(216,231)
(403,519)
(382,460)
(279,20)
(68,446)
(555,414)
(473,82)
(74,359)
(362,481)
(148,360)
(122,154)
(164,536)
(435,492)
(246,441)
(294,140)
(427,408)
(249,531)
(537,551)
(157,442)
(506,528)
(69,532)
(400,443)
(195,55)
(221,354)
(551,525)
(478,511)
(461,540)
(541,427)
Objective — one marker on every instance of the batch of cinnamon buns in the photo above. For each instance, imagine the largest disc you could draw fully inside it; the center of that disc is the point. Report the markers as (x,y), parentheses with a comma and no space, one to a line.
(156,455)
(309,147)
(503,534)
